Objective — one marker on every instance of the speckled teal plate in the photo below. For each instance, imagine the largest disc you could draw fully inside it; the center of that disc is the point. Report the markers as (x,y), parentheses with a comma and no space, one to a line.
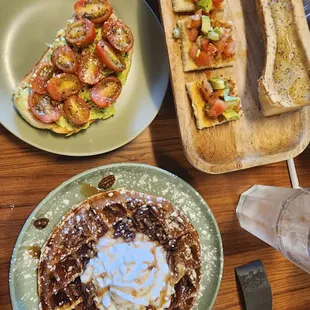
(147,179)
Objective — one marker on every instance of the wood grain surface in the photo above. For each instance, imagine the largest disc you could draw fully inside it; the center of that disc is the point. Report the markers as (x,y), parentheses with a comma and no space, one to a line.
(27,175)
(253,140)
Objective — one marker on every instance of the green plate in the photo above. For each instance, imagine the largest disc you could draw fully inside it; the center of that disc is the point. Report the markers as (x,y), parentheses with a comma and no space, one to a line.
(144,178)
(25,29)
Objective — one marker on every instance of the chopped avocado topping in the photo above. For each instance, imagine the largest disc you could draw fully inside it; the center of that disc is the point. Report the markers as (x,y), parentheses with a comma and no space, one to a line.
(217,83)
(101,113)
(214,36)
(122,76)
(85,94)
(64,123)
(206,5)
(231,115)
(218,30)
(230,98)
(206,24)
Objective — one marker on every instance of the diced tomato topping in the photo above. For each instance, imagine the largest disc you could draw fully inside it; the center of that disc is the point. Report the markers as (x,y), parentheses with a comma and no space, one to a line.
(217,93)
(204,59)
(229,49)
(199,12)
(217,4)
(195,21)
(220,45)
(193,34)
(206,90)
(211,49)
(217,108)
(193,51)
(204,43)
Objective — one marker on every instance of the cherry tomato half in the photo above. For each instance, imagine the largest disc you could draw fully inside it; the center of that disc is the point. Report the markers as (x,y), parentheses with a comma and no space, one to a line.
(98,11)
(91,69)
(43,73)
(109,56)
(81,33)
(76,110)
(62,86)
(64,59)
(118,34)
(44,108)
(106,91)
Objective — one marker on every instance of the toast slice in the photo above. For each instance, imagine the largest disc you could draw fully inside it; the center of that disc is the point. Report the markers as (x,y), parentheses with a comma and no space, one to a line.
(199,105)
(183,6)
(186,44)
(64,126)
(187,6)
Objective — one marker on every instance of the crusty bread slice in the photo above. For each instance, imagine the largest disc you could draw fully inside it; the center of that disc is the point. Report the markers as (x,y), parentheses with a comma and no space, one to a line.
(199,104)
(20,95)
(285,83)
(186,44)
(183,6)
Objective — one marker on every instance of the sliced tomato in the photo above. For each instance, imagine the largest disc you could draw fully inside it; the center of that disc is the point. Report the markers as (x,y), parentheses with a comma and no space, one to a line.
(193,51)
(44,108)
(204,59)
(76,110)
(118,34)
(62,86)
(193,34)
(81,33)
(91,69)
(64,59)
(217,108)
(106,91)
(109,56)
(98,11)
(211,49)
(43,73)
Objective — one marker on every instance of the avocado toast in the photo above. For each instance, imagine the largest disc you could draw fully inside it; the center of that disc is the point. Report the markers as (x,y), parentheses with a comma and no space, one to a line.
(78,79)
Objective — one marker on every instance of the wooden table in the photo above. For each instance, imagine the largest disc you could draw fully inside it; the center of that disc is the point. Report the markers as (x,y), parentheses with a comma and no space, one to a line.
(27,175)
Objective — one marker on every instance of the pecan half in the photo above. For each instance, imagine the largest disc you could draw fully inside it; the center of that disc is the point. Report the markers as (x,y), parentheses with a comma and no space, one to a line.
(107,182)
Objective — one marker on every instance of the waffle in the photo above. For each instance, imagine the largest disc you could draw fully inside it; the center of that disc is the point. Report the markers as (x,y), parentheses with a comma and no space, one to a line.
(124,214)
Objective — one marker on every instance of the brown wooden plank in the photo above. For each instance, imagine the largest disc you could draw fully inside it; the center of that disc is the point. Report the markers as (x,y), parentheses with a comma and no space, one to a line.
(27,175)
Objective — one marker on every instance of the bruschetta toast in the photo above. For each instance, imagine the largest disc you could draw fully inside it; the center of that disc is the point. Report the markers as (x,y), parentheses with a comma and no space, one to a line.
(205,43)
(214,101)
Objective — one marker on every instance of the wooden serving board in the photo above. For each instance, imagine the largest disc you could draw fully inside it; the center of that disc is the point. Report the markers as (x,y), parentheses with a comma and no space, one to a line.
(253,140)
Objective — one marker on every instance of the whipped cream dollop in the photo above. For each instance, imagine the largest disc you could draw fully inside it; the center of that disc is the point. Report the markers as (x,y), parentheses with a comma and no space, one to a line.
(130,276)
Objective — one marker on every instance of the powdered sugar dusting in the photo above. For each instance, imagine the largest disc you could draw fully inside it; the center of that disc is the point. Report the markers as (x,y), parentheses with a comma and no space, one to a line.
(138,178)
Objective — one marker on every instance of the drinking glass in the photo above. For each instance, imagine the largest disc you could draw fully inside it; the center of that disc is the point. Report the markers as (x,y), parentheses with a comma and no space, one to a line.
(281,218)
